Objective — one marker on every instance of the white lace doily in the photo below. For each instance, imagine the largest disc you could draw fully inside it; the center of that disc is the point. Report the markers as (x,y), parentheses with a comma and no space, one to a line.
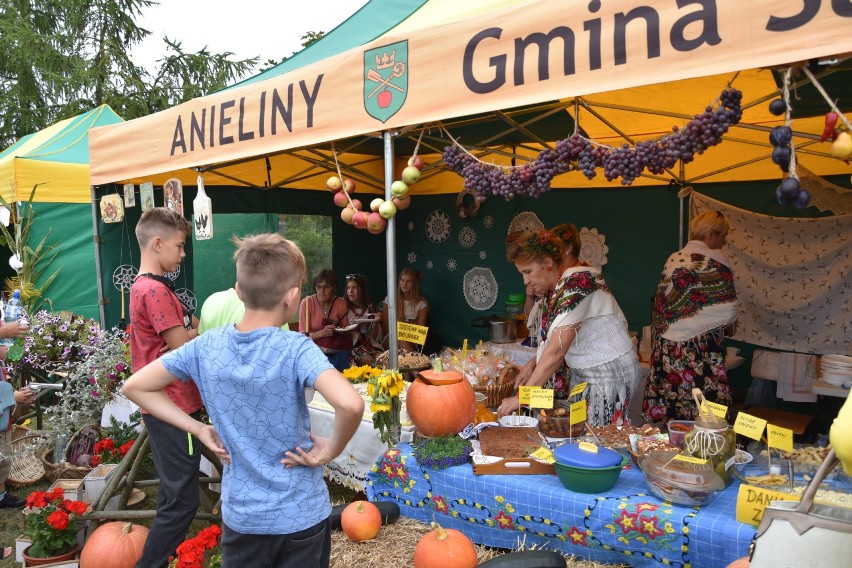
(480,288)
(592,248)
(452,265)
(412,257)
(172,275)
(123,277)
(429,264)
(187,298)
(482,255)
(438,226)
(488,221)
(467,237)
(525,221)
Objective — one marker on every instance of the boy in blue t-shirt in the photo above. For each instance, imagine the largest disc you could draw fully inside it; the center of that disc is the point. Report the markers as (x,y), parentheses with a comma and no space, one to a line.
(252,377)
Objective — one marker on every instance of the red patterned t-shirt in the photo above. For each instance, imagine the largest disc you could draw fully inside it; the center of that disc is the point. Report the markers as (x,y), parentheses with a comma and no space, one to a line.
(154,309)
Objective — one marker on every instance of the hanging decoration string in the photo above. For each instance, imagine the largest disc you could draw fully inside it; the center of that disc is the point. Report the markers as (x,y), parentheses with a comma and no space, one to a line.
(828,100)
(788,121)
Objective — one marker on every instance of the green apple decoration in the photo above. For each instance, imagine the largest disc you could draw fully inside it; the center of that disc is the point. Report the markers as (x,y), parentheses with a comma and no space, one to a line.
(841,148)
(387,209)
(348,185)
(334,184)
(376,203)
(410,175)
(399,188)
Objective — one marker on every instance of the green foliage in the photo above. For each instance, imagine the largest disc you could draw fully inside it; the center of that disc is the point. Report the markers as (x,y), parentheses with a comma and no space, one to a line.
(442,451)
(313,235)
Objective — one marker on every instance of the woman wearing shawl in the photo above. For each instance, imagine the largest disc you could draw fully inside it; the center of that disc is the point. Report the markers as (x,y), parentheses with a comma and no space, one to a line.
(695,302)
(582,326)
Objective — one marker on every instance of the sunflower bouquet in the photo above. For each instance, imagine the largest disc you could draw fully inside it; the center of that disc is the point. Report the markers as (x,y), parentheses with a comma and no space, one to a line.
(384,389)
(361,374)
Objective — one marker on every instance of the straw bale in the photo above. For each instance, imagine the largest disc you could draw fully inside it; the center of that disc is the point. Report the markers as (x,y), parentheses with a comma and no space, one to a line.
(394,548)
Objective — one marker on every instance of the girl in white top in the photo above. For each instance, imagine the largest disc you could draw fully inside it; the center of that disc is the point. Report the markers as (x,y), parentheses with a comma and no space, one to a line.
(411,305)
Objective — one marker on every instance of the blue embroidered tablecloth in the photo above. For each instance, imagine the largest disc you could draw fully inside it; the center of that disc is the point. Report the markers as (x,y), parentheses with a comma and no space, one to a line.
(625,525)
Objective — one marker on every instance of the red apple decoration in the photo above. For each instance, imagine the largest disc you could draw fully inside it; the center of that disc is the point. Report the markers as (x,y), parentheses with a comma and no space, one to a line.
(376,223)
(402,202)
(399,188)
(384,99)
(387,209)
(410,175)
(348,185)
(334,184)
(357,205)
(340,199)
(376,203)
(416,162)
(359,220)
(346,215)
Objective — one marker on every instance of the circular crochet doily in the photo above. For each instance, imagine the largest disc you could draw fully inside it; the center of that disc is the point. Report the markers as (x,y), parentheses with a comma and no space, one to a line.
(123,277)
(467,237)
(187,298)
(172,275)
(480,288)
(592,248)
(525,221)
(438,226)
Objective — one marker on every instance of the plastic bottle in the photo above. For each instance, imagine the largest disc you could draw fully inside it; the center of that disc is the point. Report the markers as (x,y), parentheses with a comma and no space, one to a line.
(13,311)
(515,310)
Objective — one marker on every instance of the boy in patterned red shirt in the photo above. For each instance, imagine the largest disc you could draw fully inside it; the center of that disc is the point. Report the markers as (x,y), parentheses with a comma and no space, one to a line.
(161,323)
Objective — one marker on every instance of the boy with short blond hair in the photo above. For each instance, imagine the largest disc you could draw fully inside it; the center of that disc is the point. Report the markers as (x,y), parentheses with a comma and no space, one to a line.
(158,322)
(252,376)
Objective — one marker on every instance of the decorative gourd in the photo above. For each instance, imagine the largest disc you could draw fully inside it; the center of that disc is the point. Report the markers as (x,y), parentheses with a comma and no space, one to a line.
(114,545)
(441,409)
(743,562)
(361,520)
(527,559)
(442,548)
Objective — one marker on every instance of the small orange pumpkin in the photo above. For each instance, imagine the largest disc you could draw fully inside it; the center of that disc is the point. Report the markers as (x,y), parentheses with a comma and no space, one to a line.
(361,520)
(441,548)
(114,545)
(441,409)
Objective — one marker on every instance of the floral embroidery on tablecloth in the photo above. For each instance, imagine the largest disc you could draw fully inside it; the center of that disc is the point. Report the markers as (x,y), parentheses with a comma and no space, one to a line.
(391,468)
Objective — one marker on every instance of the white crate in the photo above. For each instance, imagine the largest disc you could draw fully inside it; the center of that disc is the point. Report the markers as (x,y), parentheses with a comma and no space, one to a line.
(96,480)
(72,488)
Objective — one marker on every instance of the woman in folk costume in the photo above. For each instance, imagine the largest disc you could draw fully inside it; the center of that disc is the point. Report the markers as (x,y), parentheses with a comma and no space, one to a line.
(695,302)
(581,326)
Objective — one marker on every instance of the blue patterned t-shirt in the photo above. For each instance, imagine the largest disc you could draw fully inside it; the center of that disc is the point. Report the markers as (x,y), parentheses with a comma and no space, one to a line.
(253,385)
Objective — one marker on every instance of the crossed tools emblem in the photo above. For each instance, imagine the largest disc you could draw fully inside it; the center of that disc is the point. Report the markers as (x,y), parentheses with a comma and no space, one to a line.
(375,76)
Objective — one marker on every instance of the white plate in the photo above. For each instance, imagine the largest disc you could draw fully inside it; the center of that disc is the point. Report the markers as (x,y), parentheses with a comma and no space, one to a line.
(518,421)
(346,329)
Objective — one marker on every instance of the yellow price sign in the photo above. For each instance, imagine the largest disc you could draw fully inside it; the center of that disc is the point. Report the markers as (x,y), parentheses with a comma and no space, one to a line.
(719,410)
(541,398)
(577,389)
(690,459)
(778,437)
(464,351)
(544,455)
(578,412)
(524,393)
(751,501)
(749,426)
(411,332)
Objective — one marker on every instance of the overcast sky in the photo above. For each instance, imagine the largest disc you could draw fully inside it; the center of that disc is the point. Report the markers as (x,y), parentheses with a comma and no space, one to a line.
(248,28)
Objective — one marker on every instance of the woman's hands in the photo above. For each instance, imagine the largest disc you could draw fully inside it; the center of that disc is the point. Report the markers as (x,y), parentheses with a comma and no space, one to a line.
(327,331)
(508,406)
(525,373)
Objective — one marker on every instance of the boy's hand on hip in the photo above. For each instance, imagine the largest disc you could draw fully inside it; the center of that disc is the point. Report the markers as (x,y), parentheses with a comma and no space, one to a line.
(318,455)
(210,438)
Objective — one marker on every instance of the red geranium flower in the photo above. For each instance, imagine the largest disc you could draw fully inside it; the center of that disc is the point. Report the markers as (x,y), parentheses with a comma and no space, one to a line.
(58,520)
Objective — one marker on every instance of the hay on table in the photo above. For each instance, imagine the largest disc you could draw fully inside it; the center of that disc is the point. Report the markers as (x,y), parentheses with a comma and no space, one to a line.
(394,548)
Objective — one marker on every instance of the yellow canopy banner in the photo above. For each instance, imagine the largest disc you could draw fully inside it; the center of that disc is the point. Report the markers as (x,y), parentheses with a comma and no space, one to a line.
(451,61)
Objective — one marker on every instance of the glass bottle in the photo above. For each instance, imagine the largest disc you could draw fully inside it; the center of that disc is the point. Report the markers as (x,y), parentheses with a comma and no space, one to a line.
(714,440)
(515,310)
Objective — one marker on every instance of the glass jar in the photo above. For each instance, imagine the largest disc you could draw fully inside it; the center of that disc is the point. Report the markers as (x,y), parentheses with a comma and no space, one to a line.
(515,310)
(714,440)
(483,413)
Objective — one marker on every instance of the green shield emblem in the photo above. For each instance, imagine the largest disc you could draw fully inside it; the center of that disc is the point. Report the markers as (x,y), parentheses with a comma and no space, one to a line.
(385,79)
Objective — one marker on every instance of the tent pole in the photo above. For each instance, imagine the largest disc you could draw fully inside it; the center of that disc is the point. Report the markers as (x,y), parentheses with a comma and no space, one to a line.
(99,277)
(390,248)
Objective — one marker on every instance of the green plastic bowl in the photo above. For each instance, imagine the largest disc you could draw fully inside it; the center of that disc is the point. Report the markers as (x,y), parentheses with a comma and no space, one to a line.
(589,479)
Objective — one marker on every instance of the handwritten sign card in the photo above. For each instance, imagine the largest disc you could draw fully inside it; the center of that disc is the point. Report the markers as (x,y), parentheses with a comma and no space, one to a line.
(524,393)
(749,426)
(719,410)
(541,398)
(411,332)
(577,389)
(578,412)
(751,501)
(778,437)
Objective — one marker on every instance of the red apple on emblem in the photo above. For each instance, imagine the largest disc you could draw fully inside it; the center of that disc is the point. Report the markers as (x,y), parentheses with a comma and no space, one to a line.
(384,99)
(341,199)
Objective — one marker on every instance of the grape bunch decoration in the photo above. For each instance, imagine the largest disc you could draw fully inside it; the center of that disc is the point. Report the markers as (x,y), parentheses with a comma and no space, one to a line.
(576,152)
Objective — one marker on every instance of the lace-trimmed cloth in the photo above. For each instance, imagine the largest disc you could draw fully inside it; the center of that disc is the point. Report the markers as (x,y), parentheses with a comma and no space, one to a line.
(695,295)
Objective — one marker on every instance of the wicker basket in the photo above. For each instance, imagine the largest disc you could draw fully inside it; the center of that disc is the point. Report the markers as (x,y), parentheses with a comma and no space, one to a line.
(499,389)
(26,468)
(63,470)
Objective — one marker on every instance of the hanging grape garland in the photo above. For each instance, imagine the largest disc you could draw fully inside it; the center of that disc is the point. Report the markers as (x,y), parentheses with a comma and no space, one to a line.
(533,179)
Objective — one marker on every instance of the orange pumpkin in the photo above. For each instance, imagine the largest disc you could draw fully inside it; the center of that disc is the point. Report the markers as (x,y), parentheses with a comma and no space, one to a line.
(442,548)
(743,562)
(441,409)
(361,520)
(114,545)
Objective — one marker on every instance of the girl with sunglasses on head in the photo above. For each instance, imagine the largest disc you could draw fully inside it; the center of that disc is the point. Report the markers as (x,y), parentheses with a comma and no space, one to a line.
(360,307)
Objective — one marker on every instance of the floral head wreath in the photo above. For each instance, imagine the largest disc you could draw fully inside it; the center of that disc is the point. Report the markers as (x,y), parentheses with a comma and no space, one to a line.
(543,243)
(564,232)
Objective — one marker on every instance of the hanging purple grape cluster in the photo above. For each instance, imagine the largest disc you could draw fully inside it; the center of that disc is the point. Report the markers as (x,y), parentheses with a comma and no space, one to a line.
(575,152)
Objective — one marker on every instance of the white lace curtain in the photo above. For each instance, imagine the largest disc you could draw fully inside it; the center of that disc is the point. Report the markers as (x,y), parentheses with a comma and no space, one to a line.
(793,278)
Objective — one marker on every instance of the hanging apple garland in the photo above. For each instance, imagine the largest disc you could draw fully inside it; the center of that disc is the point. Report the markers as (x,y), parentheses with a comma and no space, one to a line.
(577,152)
(380,209)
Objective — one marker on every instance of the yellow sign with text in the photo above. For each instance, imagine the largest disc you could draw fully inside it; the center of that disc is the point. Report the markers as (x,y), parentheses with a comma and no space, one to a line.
(778,437)
(578,412)
(524,393)
(751,501)
(690,459)
(577,389)
(411,332)
(749,426)
(544,455)
(719,410)
(541,398)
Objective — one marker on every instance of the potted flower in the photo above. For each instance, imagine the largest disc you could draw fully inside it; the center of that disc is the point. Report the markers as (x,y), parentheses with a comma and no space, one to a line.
(52,525)
(200,551)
